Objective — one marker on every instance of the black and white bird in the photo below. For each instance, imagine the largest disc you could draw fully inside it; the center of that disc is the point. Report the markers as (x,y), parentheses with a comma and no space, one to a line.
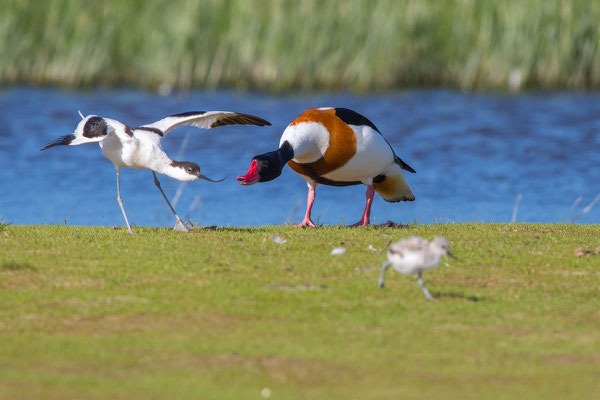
(414,255)
(140,148)
(336,147)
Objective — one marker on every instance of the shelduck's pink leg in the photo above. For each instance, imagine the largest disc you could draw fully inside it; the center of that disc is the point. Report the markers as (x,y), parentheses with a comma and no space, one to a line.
(367,213)
(309,203)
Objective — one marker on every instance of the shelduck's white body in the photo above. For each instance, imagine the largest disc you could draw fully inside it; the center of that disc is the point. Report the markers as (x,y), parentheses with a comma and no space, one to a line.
(310,141)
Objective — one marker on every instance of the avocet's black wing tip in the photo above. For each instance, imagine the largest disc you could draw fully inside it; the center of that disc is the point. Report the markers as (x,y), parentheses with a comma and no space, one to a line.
(239,119)
(61,141)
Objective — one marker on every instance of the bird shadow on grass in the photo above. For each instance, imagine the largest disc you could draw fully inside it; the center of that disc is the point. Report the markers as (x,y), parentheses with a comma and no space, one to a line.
(15,266)
(200,229)
(457,295)
(393,225)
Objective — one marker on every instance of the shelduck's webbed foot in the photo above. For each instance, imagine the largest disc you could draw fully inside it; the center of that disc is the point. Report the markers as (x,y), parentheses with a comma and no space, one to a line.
(307,222)
(362,222)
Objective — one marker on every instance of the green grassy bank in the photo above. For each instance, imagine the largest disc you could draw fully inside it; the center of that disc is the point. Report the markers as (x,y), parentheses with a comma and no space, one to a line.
(95,313)
(358,45)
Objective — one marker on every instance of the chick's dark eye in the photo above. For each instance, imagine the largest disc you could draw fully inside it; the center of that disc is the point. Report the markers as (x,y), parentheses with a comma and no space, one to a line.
(189,169)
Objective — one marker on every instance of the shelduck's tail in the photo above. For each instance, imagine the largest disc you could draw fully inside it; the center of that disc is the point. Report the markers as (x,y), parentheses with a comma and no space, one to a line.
(392,186)
(403,165)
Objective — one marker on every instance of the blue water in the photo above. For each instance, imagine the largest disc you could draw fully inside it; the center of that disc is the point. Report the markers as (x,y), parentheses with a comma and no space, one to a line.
(473,153)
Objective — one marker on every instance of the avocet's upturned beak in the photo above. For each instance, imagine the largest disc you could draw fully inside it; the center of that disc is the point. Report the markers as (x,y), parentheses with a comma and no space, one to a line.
(452,256)
(200,176)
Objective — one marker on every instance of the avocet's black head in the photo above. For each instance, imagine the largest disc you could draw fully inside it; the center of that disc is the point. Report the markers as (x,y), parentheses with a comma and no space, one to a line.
(93,126)
(189,171)
(268,166)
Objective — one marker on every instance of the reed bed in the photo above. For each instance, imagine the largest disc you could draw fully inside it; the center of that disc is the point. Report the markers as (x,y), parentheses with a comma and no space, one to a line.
(356,45)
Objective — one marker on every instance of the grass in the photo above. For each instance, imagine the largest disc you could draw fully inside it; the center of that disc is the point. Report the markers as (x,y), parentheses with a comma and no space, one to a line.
(359,45)
(91,312)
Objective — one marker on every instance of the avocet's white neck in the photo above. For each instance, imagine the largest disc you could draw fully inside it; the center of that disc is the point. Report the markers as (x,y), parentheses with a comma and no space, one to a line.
(172,170)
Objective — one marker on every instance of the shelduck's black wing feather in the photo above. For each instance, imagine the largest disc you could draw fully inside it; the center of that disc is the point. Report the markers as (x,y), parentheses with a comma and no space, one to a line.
(353,118)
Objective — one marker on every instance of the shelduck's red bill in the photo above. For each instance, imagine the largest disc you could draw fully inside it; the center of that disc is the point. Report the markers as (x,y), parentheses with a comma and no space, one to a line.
(251,176)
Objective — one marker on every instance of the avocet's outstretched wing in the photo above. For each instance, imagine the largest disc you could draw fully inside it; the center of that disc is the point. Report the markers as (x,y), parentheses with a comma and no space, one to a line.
(205,120)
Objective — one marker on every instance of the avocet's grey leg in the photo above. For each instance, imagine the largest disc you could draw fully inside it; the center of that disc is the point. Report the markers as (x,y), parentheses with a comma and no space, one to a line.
(422,284)
(179,224)
(384,268)
(120,201)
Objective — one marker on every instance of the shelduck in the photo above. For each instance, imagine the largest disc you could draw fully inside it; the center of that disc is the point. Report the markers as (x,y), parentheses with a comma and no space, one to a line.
(140,148)
(336,147)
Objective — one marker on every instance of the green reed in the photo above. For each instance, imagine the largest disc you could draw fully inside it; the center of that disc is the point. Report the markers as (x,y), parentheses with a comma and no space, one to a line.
(357,45)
